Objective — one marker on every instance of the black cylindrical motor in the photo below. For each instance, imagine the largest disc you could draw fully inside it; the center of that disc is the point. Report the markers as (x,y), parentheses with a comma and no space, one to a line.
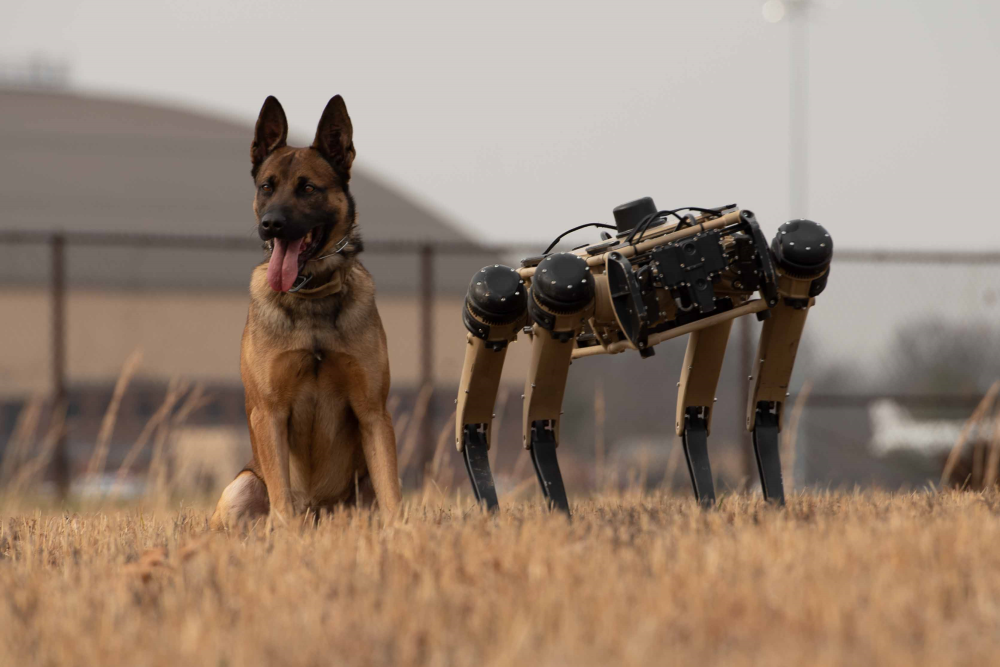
(804,249)
(562,285)
(496,297)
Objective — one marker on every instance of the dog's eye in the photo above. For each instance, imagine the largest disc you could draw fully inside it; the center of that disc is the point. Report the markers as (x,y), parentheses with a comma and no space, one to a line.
(266,188)
(309,188)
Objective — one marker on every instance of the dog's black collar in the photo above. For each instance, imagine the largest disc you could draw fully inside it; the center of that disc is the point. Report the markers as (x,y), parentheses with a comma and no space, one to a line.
(303,278)
(340,245)
(300,282)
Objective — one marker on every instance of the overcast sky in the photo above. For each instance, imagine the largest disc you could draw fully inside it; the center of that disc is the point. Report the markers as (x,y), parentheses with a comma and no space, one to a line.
(520,119)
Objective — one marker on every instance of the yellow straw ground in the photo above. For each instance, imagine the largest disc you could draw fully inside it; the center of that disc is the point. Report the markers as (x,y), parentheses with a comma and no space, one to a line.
(858,579)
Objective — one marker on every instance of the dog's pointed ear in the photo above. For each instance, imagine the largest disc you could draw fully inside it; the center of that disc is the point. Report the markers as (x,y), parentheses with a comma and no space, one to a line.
(335,137)
(271,132)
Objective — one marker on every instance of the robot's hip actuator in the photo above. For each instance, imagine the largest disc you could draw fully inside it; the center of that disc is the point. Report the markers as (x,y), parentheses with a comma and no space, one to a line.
(654,280)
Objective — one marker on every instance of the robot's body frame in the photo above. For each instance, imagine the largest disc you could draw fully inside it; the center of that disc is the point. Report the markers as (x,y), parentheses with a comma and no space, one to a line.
(651,282)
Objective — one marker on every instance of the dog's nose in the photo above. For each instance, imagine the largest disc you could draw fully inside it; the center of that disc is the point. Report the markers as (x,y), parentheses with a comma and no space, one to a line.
(271,225)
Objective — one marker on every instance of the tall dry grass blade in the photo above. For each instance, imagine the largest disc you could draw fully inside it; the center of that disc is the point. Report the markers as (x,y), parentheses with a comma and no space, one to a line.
(442,445)
(645,454)
(674,459)
(978,464)
(400,428)
(413,433)
(993,466)
(100,455)
(175,390)
(521,487)
(158,469)
(25,431)
(599,444)
(33,469)
(520,464)
(392,405)
(196,400)
(790,436)
(963,436)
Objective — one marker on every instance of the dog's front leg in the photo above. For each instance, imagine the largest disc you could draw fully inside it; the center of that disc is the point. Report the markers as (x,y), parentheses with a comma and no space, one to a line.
(270,430)
(378,440)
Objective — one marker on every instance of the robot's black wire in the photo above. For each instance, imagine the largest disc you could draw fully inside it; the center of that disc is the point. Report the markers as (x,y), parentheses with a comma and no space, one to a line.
(641,228)
(570,231)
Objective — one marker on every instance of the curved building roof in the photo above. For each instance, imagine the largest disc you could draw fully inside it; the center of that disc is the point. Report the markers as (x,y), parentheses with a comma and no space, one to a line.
(79,163)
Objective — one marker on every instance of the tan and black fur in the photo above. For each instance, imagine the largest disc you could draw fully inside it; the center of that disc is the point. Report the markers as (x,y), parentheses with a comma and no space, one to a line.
(314,364)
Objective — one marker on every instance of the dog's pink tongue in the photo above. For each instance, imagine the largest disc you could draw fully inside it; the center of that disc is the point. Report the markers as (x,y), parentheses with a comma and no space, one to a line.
(284,265)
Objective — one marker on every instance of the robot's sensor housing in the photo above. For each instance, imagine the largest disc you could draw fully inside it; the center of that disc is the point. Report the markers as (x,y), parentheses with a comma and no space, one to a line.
(627,216)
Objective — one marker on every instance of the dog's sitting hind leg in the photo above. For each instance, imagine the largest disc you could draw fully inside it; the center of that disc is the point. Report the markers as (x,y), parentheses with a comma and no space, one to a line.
(245,499)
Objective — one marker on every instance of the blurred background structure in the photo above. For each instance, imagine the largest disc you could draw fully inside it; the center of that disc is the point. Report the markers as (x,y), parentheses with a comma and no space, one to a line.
(126,237)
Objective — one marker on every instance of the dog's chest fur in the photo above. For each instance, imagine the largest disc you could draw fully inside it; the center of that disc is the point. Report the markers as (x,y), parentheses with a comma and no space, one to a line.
(304,361)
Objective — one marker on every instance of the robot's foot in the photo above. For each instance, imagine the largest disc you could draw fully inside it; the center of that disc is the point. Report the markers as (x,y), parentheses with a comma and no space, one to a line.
(543,455)
(696,454)
(765,447)
(477,463)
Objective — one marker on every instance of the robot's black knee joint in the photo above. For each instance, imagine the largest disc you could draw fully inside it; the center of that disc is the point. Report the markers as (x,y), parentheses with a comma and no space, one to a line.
(496,297)
(802,247)
(562,285)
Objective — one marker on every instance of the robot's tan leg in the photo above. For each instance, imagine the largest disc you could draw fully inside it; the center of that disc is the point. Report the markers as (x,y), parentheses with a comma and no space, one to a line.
(495,309)
(477,394)
(543,395)
(802,250)
(706,350)
(772,370)
(561,299)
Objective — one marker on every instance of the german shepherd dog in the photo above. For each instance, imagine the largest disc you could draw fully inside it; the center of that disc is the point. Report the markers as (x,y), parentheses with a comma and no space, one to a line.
(313,358)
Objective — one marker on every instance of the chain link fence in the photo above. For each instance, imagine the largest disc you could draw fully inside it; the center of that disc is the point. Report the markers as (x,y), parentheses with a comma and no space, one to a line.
(898,340)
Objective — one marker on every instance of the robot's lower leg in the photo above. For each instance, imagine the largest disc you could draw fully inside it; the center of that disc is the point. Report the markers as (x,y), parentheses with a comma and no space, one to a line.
(543,456)
(802,251)
(495,309)
(562,294)
(543,394)
(476,452)
(766,452)
(695,440)
(772,370)
(695,402)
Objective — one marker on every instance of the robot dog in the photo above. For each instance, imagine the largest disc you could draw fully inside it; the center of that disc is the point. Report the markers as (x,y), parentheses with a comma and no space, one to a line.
(650,282)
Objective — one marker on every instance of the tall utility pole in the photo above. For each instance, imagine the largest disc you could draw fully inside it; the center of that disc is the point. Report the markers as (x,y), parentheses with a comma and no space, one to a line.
(798,109)
(796,14)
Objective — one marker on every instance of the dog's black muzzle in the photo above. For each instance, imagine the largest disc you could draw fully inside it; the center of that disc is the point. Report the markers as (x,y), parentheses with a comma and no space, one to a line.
(276,224)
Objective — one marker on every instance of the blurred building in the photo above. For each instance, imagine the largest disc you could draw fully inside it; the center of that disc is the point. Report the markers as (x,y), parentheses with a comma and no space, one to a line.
(76,163)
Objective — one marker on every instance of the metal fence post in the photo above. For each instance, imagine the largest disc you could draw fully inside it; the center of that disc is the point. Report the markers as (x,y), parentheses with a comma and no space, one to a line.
(60,455)
(426,450)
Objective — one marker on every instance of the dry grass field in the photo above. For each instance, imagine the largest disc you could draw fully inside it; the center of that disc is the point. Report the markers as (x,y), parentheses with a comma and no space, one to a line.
(845,579)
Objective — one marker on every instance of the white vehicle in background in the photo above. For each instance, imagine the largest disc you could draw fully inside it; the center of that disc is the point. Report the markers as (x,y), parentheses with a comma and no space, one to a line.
(894,429)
